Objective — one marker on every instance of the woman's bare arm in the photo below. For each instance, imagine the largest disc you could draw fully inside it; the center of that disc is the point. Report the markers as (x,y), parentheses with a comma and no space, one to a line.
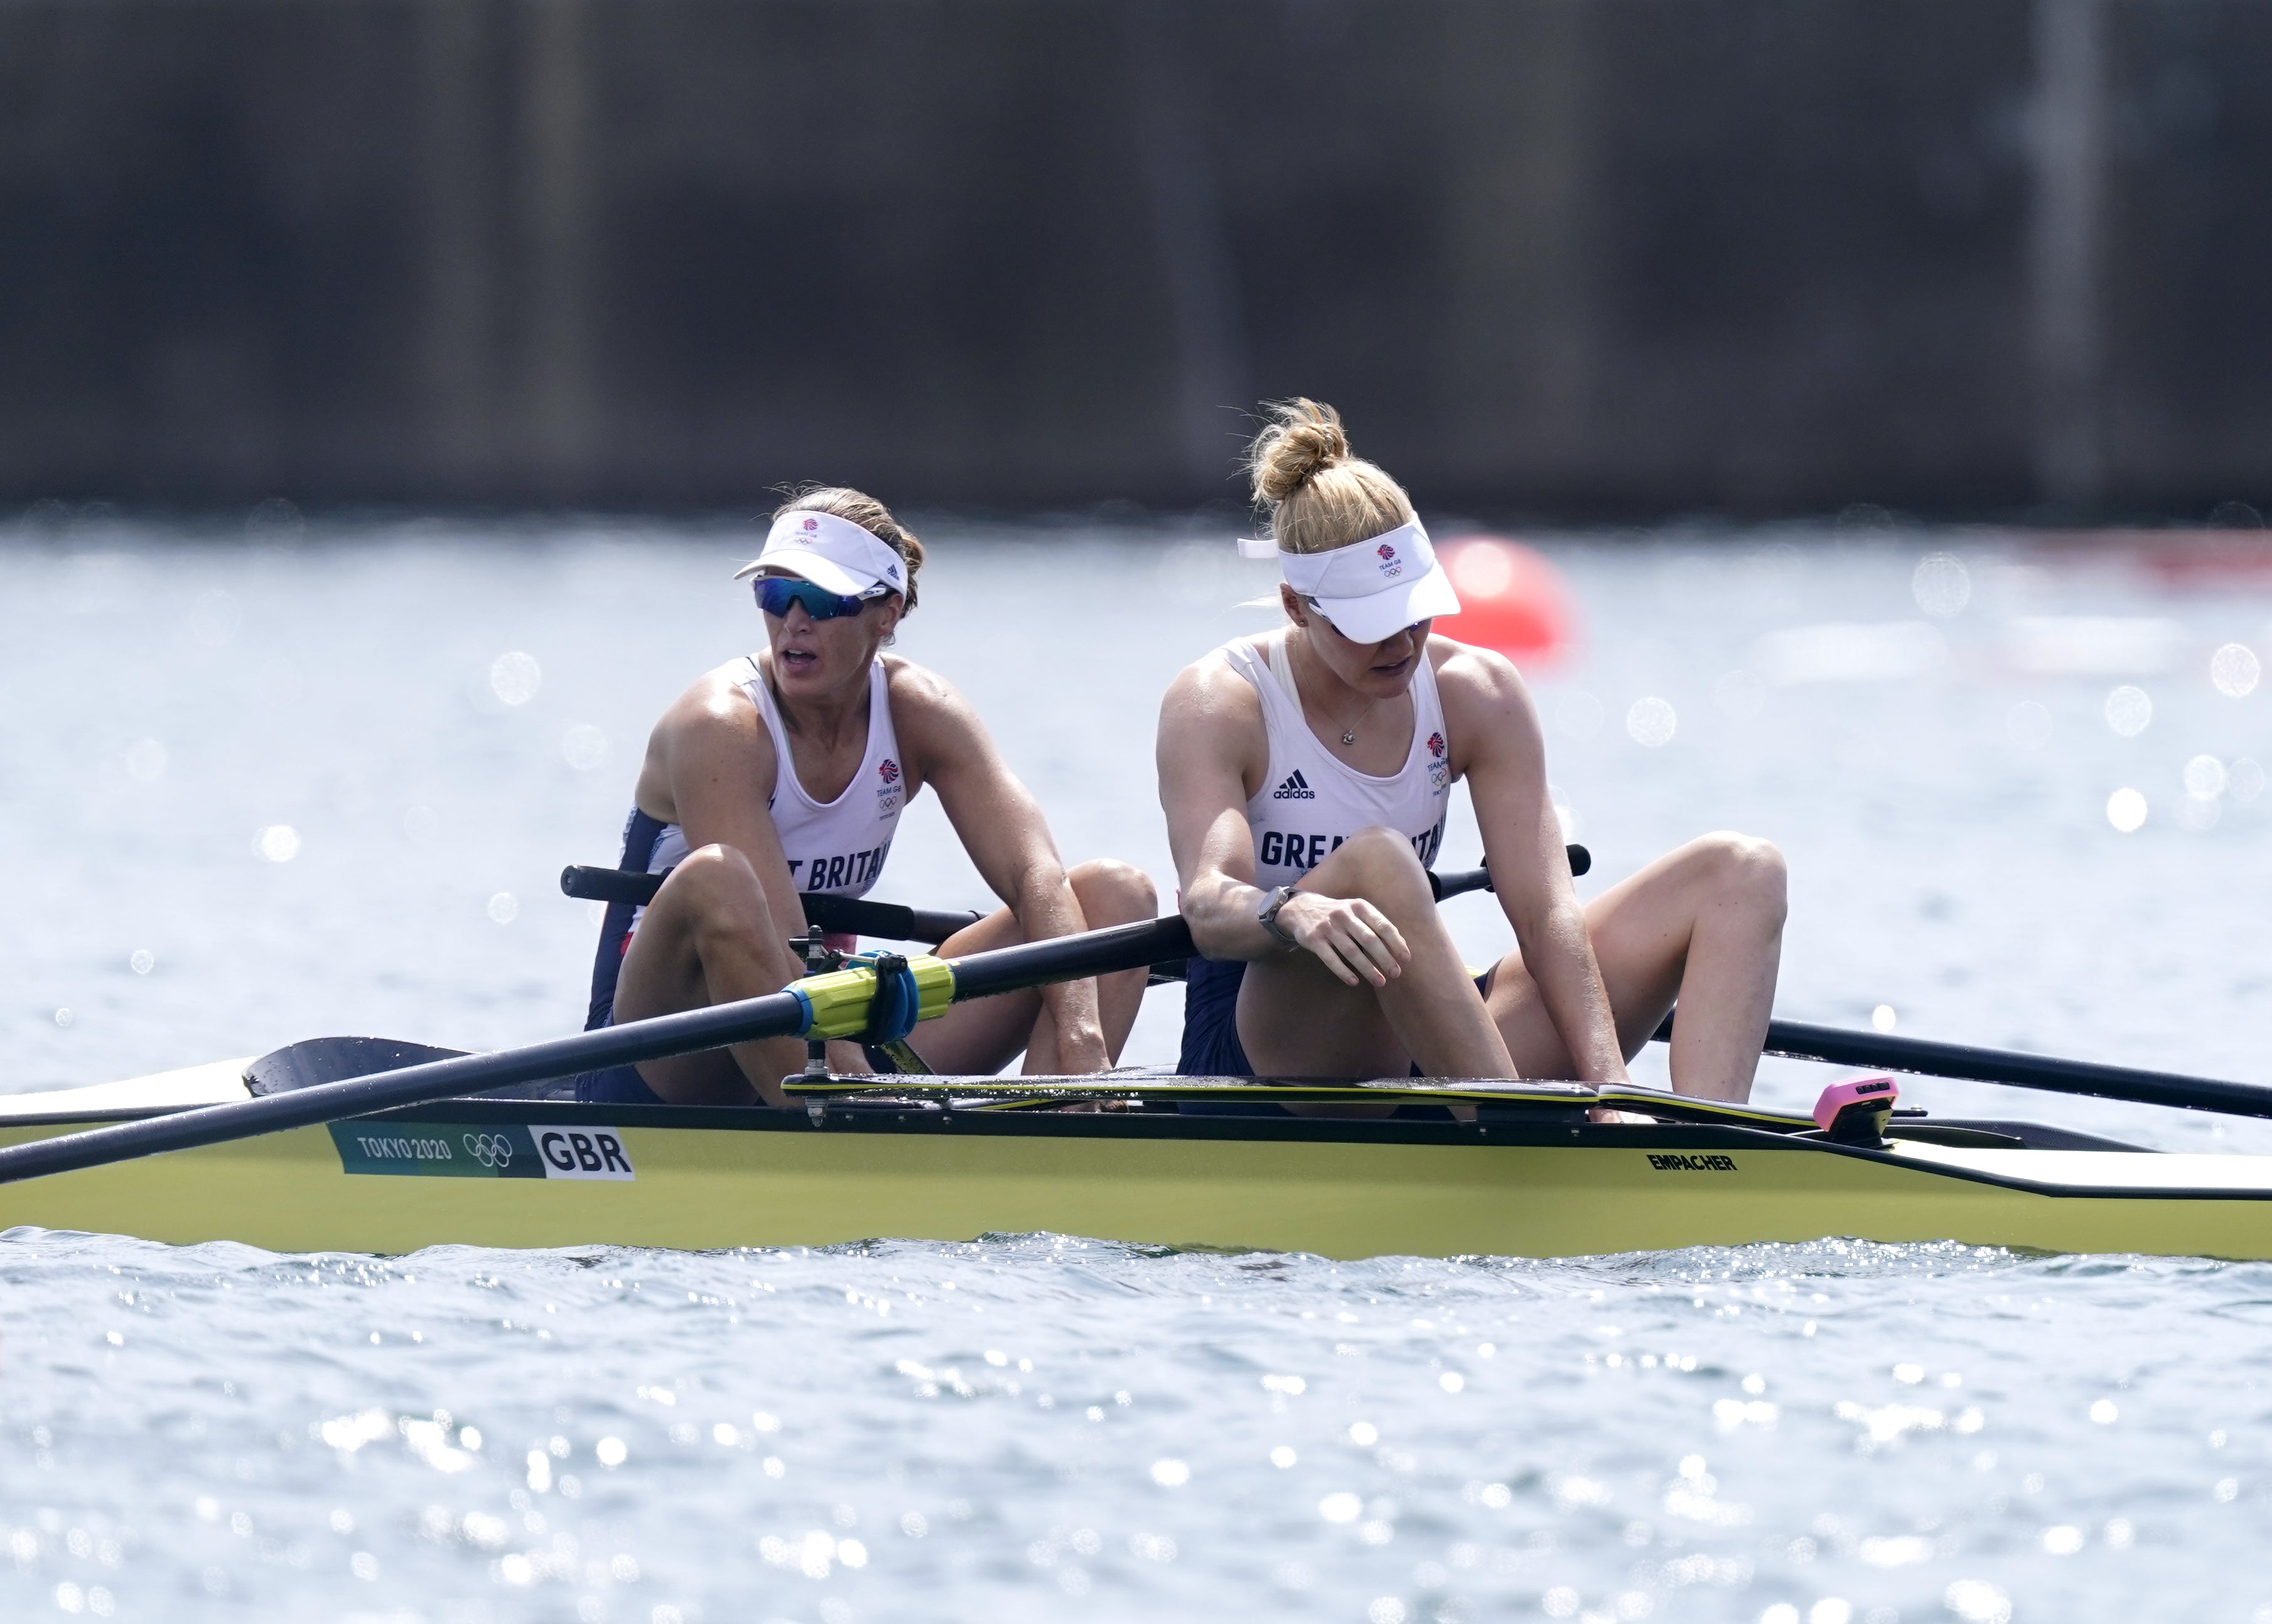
(1002,827)
(1497,745)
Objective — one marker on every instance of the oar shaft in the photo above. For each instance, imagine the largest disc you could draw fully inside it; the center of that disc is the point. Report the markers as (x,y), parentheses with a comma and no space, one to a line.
(776,1014)
(1799,1040)
(1093,952)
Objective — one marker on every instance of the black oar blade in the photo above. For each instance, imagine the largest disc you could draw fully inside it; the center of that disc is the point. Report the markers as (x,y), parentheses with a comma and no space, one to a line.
(315,1060)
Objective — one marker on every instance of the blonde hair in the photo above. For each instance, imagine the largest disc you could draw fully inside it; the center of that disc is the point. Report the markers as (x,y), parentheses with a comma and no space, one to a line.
(1319,497)
(870,515)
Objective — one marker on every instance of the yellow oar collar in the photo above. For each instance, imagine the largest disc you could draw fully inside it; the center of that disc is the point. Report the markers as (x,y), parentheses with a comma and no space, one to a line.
(837,1004)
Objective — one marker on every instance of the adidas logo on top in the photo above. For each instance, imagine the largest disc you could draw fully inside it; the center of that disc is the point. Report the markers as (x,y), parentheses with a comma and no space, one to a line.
(1295,788)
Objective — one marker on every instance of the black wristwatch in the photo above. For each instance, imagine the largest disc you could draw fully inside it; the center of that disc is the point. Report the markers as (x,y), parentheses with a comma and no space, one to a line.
(1266,916)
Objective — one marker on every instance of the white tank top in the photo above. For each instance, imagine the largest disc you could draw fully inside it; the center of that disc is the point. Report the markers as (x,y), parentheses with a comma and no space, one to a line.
(1311,800)
(836,846)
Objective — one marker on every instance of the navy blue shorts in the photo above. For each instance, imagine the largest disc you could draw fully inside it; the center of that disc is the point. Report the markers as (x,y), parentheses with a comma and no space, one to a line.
(618,1085)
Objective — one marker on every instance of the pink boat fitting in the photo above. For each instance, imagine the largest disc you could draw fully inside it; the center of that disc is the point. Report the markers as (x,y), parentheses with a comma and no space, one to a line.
(1856,1111)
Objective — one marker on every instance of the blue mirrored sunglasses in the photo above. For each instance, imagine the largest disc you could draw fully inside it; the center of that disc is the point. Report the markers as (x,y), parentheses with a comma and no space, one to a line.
(776,594)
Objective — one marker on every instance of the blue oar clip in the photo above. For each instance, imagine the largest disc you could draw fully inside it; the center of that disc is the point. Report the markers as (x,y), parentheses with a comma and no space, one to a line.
(892,1012)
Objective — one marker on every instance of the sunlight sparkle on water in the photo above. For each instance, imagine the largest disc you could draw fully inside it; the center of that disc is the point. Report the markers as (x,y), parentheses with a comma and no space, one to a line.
(584,747)
(2129,710)
(515,677)
(1977,1602)
(2234,670)
(1652,722)
(2196,814)
(1941,585)
(2125,810)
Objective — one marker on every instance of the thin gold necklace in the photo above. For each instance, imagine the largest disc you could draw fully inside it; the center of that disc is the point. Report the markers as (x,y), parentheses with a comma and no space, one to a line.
(1349,733)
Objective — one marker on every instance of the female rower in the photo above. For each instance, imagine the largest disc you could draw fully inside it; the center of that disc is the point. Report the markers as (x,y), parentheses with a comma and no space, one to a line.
(1305,777)
(785,772)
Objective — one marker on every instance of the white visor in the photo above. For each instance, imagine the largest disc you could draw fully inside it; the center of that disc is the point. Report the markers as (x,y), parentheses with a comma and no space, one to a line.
(1372,590)
(833,554)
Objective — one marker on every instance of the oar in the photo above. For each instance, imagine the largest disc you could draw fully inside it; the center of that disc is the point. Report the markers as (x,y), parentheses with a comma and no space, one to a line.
(1799,1040)
(831,1006)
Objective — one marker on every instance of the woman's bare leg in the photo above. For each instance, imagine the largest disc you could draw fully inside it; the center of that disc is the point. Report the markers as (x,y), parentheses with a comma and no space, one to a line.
(709,938)
(982,1036)
(1701,926)
(1110,893)
(1296,1018)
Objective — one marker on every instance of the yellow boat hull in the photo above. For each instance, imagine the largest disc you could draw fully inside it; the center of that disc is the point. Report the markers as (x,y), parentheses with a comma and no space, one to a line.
(704,1179)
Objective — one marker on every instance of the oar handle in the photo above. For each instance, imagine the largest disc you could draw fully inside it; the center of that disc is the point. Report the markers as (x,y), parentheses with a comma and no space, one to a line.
(1479,879)
(854,915)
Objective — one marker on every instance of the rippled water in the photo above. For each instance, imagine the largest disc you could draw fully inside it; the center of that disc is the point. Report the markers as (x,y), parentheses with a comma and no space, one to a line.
(1030,1427)
(1043,1427)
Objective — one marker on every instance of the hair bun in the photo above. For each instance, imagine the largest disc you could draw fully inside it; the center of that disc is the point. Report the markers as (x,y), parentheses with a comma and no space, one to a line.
(1302,438)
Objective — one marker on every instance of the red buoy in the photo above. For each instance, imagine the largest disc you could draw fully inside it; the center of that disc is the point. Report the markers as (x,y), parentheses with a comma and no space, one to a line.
(1512,599)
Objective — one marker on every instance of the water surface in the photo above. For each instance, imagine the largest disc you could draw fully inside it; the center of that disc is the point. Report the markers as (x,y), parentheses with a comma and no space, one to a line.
(425,723)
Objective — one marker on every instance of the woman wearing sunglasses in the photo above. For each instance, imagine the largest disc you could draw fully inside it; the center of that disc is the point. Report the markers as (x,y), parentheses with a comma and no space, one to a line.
(1305,777)
(784,772)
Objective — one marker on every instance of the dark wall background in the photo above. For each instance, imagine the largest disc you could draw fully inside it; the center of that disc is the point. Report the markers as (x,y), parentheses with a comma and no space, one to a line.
(1615,255)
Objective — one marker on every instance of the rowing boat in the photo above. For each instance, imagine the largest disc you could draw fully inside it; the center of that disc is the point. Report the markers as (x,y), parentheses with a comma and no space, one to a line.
(954,1159)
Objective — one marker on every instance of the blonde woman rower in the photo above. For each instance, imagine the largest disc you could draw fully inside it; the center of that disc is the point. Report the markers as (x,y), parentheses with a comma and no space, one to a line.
(784,772)
(1305,777)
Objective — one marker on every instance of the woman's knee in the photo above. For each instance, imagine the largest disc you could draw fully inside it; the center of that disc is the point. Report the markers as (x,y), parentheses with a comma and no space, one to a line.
(1106,886)
(1379,865)
(718,887)
(1746,869)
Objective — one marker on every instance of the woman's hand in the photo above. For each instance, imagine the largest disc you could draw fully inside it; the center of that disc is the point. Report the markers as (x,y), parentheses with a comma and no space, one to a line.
(1349,935)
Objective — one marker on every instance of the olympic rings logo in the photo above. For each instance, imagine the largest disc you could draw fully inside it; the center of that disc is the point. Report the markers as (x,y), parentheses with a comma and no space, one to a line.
(489,1149)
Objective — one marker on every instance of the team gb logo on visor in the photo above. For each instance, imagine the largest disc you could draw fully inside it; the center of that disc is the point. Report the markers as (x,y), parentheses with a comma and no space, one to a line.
(1389,564)
(810,525)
